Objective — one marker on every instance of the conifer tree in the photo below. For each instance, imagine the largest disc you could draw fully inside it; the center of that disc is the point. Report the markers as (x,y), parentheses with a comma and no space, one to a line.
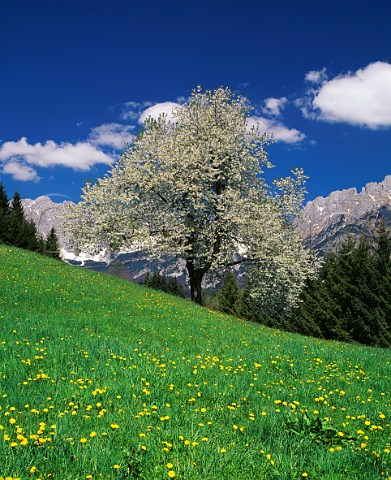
(382,240)
(4,215)
(229,295)
(174,288)
(246,306)
(21,232)
(31,240)
(41,244)
(157,282)
(16,231)
(52,246)
(381,278)
(148,280)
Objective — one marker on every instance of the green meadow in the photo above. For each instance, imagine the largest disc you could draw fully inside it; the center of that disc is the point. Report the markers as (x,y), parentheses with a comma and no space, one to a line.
(102,378)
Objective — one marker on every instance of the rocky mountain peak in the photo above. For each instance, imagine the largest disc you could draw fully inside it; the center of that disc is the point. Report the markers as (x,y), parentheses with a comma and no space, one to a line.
(327,219)
(46,214)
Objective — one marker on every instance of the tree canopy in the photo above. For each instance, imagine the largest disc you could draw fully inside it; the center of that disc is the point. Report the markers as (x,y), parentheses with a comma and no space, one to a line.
(194,187)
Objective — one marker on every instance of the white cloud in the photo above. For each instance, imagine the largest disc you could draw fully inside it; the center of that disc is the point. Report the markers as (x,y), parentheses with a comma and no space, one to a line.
(274,106)
(80,156)
(280,132)
(360,98)
(21,172)
(156,110)
(132,110)
(316,76)
(112,135)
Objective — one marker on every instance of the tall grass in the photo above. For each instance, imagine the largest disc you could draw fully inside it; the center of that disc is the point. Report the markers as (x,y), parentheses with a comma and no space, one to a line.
(102,378)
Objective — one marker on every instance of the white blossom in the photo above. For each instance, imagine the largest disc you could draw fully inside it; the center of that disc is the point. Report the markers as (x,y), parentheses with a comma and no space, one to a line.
(194,188)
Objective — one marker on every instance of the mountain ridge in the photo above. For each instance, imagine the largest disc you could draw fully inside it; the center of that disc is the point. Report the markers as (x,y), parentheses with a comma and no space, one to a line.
(326,220)
(324,224)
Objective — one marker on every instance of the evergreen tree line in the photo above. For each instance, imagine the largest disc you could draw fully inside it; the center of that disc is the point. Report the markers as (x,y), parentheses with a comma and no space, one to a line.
(159,282)
(349,301)
(16,230)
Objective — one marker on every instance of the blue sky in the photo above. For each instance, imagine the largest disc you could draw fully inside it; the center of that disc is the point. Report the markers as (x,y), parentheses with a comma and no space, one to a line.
(78,77)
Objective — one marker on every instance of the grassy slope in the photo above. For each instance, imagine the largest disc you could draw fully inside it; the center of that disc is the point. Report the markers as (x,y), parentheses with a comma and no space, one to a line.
(101,378)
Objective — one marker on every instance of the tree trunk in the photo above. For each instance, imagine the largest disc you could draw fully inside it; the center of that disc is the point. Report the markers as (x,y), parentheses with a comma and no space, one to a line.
(195,276)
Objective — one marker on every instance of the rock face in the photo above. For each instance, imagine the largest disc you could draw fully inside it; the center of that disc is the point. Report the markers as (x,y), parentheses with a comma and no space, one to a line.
(327,220)
(46,214)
